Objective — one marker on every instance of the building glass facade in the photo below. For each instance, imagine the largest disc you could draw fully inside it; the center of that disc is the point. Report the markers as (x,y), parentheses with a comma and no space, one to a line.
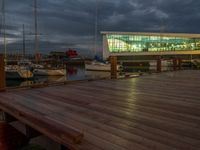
(143,43)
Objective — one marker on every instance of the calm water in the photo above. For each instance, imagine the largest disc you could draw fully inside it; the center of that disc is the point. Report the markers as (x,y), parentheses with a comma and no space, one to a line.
(72,73)
(75,73)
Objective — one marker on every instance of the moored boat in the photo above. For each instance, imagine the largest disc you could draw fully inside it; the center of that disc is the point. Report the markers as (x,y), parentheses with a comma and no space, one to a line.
(18,72)
(48,72)
(99,66)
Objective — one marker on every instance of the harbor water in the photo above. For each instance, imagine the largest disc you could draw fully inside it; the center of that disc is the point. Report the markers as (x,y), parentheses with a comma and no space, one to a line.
(73,72)
(78,72)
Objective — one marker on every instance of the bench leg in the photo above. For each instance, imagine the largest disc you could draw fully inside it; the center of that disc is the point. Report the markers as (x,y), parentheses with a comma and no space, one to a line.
(8,118)
(2,116)
(31,133)
(62,147)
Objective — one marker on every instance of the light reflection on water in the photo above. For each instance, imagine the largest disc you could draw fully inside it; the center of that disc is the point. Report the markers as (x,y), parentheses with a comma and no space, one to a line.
(72,73)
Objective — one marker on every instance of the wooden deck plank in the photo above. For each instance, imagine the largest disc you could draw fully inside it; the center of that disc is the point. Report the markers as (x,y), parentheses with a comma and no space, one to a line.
(133,91)
(66,114)
(62,104)
(159,111)
(192,124)
(124,105)
(156,99)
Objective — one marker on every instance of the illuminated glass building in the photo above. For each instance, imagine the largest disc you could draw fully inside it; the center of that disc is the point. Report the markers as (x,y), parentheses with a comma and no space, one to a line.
(134,43)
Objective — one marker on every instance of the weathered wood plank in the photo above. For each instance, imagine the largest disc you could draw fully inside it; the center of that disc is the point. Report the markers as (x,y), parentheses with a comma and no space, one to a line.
(160,111)
(62,134)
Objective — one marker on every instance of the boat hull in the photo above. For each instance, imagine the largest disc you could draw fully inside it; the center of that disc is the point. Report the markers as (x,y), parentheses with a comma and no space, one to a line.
(99,67)
(49,72)
(25,74)
(12,75)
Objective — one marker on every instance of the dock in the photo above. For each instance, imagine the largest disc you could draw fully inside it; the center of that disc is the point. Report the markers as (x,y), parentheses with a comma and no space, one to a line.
(152,112)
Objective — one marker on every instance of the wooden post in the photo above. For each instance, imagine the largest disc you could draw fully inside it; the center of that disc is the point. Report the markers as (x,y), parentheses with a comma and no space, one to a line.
(179,63)
(174,64)
(8,118)
(113,62)
(2,74)
(159,65)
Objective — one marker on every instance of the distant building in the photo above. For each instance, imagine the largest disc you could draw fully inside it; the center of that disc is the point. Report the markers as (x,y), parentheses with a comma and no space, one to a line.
(146,44)
(70,53)
(57,54)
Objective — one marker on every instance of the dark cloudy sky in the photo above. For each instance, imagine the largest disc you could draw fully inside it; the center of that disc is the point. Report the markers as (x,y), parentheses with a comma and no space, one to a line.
(67,24)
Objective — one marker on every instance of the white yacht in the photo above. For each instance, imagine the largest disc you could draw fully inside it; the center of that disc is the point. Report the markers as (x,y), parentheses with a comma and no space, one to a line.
(48,72)
(99,66)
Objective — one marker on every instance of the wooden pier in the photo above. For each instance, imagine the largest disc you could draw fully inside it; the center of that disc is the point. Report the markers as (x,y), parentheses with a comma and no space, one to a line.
(152,112)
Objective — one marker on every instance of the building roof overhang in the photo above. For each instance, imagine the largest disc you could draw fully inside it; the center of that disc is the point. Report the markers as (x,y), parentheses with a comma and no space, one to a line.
(183,35)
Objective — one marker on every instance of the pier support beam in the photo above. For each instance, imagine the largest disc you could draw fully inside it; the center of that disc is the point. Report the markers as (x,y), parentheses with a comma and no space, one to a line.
(2,74)
(62,147)
(179,64)
(159,65)
(113,62)
(174,64)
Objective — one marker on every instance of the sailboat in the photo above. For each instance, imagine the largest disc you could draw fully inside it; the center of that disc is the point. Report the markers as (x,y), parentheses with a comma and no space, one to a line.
(49,72)
(13,71)
(40,70)
(17,72)
(98,65)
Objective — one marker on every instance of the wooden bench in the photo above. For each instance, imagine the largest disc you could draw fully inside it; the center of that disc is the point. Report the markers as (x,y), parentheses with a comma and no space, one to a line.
(61,133)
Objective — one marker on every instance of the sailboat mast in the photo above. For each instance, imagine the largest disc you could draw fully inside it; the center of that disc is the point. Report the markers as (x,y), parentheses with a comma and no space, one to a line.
(96,28)
(4,30)
(24,44)
(36,32)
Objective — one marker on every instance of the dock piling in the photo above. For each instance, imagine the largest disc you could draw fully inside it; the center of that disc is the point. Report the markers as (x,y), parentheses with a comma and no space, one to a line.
(113,62)
(2,74)
(179,63)
(159,65)
(174,64)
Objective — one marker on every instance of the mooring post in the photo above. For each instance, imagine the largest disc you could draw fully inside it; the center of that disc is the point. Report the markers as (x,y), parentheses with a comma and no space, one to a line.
(179,63)
(2,74)
(159,65)
(113,62)
(174,64)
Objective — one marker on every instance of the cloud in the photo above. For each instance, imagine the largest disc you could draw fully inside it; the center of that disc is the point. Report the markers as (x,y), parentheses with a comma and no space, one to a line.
(70,23)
